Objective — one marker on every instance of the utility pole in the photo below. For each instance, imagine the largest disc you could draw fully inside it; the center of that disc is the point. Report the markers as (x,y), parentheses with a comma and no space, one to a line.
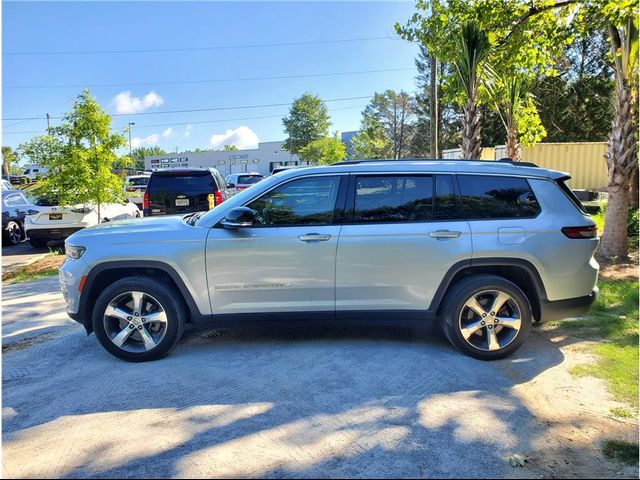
(48,124)
(130,124)
(433,107)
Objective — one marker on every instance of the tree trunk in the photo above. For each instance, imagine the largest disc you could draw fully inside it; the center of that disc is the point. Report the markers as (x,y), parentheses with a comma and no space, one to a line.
(513,145)
(5,168)
(471,131)
(614,239)
(622,162)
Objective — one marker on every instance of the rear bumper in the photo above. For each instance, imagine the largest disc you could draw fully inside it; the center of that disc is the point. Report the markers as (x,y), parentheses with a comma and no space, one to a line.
(572,307)
(52,233)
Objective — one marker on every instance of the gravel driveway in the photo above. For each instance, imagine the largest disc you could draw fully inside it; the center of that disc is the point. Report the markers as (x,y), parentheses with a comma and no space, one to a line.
(293,403)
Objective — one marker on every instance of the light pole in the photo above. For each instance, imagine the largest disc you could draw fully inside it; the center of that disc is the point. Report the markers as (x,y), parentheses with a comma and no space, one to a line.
(130,123)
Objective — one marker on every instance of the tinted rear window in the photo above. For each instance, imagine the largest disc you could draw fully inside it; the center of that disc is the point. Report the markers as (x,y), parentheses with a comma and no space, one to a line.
(393,199)
(193,183)
(496,197)
(249,179)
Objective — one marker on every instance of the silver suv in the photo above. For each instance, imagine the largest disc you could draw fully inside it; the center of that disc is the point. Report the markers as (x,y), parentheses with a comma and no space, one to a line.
(485,248)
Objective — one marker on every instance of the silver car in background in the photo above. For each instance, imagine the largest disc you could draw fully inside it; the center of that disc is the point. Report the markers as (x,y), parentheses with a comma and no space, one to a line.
(483,248)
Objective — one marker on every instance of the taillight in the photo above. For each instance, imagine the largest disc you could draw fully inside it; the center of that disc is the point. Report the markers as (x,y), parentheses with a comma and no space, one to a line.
(218,197)
(131,189)
(581,232)
(145,200)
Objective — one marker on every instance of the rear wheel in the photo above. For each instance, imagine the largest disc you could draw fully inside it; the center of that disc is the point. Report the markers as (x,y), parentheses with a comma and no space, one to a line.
(486,317)
(137,319)
(13,233)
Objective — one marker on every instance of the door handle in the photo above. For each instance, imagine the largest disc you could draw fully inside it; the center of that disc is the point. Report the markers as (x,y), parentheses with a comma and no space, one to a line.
(314,237)
(442,234)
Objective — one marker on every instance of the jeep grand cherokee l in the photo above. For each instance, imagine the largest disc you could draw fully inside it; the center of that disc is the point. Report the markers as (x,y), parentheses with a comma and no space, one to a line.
(484,248)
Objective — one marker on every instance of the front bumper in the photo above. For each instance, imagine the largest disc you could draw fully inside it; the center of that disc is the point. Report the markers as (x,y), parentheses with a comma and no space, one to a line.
(69,276)
(569,308)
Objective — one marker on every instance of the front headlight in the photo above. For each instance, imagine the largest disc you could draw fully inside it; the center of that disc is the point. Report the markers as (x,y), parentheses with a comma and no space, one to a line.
(73,252)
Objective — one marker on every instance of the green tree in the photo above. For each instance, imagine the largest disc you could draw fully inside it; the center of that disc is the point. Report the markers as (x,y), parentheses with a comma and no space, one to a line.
(79,155)
(470,61)
(517,112)
(388,126)
(324,151)
(371,141)
(523,37)
(138,155)
(308,120)
(230,148)
(9,159)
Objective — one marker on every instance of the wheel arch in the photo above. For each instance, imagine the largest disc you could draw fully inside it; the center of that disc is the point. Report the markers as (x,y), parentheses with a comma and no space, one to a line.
(106,273)
(519,271)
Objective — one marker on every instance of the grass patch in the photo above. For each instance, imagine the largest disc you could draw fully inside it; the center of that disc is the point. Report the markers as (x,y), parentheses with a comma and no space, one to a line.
(621,412)
(45,267)
(614,321)
(625,452)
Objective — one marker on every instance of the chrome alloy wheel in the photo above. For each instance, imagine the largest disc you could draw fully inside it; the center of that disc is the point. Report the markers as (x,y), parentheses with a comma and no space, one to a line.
(135,322)
(490,320)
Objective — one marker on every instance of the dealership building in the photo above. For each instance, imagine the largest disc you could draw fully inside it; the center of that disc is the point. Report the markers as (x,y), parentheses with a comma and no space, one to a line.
(263,159)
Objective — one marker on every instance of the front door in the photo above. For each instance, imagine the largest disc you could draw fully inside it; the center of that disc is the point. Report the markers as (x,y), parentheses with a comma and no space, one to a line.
(286,261)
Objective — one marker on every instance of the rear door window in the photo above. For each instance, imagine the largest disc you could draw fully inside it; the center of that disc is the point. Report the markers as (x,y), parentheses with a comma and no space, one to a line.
(485,196)
(397,198)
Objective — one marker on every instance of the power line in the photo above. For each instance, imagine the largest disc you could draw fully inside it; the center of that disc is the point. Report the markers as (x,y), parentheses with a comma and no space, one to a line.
(218,80)
(195,110)
(162,125)
(196,49)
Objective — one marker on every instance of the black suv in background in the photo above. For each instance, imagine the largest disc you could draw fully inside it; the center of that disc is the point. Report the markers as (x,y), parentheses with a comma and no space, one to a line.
(180,191)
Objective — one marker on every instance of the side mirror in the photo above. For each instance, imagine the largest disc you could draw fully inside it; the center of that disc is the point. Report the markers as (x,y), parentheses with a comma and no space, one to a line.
(239,217)
(231,185)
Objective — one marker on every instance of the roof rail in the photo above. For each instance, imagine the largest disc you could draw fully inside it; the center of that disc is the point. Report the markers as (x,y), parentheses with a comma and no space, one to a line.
(386,160)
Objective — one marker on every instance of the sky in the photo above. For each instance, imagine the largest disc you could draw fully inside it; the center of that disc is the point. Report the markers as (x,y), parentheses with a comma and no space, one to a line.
(140,59)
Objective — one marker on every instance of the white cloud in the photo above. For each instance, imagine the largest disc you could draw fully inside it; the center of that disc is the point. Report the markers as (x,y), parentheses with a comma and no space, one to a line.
(125,103)
(187,132)
(167,132)
(242,137)
(150,140)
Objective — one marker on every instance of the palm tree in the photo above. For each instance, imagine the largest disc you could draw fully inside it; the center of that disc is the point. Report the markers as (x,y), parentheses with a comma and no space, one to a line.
(470,61)
(622,153)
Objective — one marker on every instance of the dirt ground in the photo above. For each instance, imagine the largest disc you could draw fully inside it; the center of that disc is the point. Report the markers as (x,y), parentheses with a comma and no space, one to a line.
(301,402)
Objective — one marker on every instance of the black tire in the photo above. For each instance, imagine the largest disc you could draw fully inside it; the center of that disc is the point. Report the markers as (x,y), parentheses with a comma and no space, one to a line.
(12,234)
(38,242)
(165,294)
(452,310)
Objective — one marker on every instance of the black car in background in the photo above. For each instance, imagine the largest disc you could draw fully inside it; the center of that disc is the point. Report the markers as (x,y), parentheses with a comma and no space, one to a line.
(180,191)
(15,208)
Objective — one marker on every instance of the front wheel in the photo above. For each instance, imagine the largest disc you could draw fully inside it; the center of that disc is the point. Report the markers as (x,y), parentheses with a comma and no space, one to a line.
(137,319)
(486,317)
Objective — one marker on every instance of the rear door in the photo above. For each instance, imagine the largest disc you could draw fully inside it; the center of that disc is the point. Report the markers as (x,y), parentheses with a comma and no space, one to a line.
(402,236)
(172,193)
